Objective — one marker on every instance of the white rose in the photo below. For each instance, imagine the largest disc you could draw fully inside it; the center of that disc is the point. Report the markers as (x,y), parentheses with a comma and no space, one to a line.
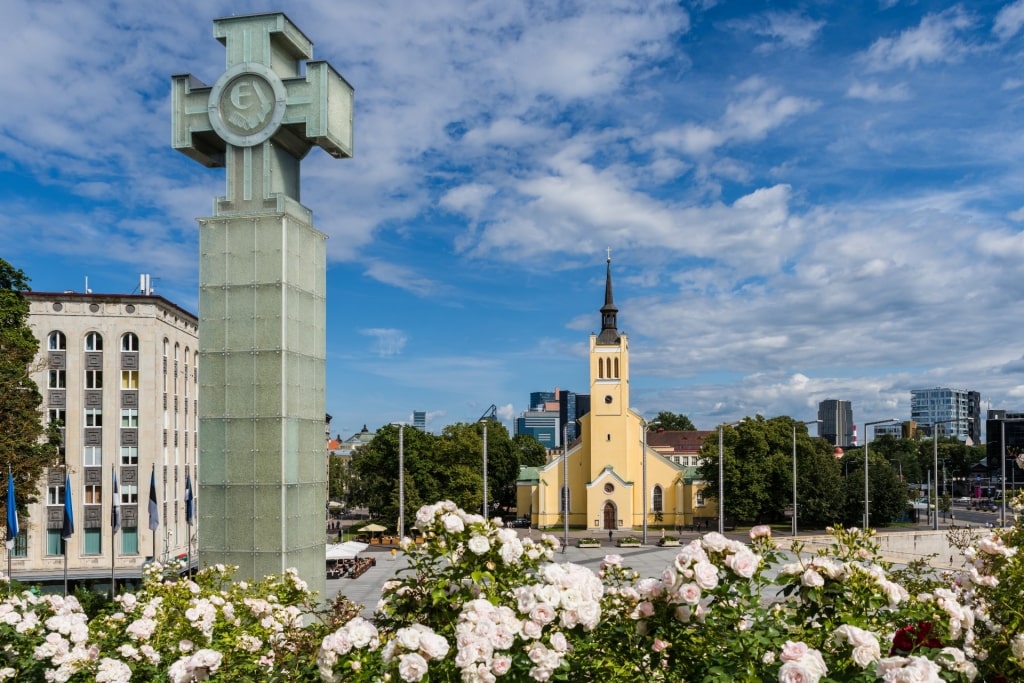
(798,672)
(705,575)
(743,562)
(812,579)
(479,545)
(453,524)
(412,667)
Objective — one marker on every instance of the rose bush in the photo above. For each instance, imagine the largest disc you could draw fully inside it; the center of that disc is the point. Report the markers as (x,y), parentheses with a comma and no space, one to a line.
(478,603)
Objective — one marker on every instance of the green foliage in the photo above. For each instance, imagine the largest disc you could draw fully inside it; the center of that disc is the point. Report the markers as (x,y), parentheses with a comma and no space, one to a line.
(888,494)
(758,467)
(25,444)
(448,466)
(671,422)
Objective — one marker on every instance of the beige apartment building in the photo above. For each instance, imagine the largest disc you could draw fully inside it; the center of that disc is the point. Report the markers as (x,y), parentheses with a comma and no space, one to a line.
(120,373)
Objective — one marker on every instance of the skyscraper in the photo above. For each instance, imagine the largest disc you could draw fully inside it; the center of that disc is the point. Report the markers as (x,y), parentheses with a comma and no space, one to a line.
(836,422)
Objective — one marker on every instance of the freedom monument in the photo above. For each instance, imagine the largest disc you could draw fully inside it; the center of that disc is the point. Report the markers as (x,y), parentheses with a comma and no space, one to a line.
(262,288)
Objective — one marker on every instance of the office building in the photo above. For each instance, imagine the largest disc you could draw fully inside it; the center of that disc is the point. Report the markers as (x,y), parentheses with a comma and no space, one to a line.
(419,420)
(836,422)
(119,372)
(952,412)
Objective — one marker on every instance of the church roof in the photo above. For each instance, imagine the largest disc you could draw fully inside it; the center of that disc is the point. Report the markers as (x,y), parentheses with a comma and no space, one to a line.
(676,442)
(609,312)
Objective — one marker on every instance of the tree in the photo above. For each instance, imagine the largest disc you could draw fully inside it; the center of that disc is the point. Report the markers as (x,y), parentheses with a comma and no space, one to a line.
(758,467)
(888,495)
(26,445)
(671,422)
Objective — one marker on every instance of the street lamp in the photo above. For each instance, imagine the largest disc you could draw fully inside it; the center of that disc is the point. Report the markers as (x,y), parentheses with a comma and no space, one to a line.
(401,479)
(565,486)
(484,423)
(645,425)
(808,422)
(935,465)
(867,440)
(721,477)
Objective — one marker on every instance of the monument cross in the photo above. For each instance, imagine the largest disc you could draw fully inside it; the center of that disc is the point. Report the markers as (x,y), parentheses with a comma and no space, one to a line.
(262,484)
(262,117)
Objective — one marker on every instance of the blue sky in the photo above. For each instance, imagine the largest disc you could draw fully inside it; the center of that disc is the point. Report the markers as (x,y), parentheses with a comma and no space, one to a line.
(803,200)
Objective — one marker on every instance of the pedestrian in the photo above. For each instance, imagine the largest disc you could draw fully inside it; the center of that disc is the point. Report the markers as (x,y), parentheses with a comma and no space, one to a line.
(609,535)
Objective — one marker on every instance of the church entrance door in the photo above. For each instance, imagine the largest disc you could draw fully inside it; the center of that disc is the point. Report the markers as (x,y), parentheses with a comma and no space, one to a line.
(609,516)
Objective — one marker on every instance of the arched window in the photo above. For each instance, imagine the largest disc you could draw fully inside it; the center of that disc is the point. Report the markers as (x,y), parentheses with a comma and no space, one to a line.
(616,375)
(700,497)
(57,341)
(656,499)
(129,342)
(600,368)
(94,341)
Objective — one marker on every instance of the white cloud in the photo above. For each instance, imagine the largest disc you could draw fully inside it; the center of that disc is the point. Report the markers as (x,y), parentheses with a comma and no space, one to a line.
(873,92)
(938,38)
(1009,20)
(390,342)
(790,29)
(403,277)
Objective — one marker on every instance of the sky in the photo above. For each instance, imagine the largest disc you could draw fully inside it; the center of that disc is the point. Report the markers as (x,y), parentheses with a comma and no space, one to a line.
(803,200)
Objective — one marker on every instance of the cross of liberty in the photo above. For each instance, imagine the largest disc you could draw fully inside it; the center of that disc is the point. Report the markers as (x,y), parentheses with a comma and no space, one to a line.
(262,117)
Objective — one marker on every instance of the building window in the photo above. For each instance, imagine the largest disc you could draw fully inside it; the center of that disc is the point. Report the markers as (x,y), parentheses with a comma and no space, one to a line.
(609,487)
(130,540)
(93,342)
(93,494)
(129,379)
(53,544)
(58,416)
(93,417)
(92,456)
(57,379)
(55,494)
(129,417)
(700,497)
(129,455)
(129,494)
(20,548)
(57,341)
(93,379)
(129,342)
(616,368)
(93,542)
(656,500)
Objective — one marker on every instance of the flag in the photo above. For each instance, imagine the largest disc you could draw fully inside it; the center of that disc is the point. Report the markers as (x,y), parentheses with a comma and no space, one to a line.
(12,512)
(188,499)
(68,530)
(115,508)
(154,511)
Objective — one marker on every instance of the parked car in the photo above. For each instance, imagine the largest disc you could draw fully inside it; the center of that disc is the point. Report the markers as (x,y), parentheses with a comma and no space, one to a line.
(518,523)
(963,500)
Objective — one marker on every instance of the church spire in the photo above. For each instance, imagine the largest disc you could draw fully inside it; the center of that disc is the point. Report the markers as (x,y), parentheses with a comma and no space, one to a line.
(609,312)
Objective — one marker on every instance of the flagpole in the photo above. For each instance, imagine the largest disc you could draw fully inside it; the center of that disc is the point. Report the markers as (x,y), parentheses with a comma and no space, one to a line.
(68,527)
(115,524)
(12,526)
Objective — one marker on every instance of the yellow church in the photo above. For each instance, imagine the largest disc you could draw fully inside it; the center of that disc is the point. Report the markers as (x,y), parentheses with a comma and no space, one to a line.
(605,467)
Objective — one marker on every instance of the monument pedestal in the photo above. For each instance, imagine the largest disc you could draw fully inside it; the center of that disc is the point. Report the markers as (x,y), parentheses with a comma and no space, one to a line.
(262,338)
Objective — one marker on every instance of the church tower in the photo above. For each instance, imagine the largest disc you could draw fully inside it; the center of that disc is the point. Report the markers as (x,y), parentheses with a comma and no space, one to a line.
(609,389)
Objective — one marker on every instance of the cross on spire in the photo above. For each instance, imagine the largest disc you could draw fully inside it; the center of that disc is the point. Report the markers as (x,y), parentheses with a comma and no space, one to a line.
(261,117)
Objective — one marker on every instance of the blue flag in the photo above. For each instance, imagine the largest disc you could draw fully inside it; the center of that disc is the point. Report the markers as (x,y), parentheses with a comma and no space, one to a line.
(154,511)
(68,530)
(188,499)
(12,512)
(115,509)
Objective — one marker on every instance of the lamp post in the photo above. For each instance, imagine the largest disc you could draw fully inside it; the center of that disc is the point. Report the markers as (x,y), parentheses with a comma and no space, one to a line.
(643,457)
(808,422)
(401,479)
(484,423)
(721,477)
(867,440)
(565,486)
(935,465)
